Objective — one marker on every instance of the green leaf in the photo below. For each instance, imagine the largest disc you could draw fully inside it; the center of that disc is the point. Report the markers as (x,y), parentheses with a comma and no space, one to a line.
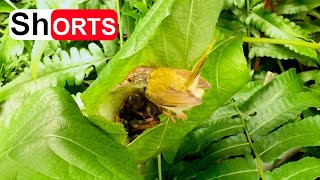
(237,168)
(306,168)
(16,47)
(231,146)
(296,6)
(282,110)
(110,48)
(36,54)
(245,93)
(208,132)
(186,34)
(114,130)
(56,72)
(127,22)
(141,7)
(310,75)
(231,3)
(280,52)
(11,4)
(229,25)
(165,137)
(284,84)
(8,108)
(145,29)
(226,111)
(49,138)
(299,134)
(5,7)
(276,26)
(226,70)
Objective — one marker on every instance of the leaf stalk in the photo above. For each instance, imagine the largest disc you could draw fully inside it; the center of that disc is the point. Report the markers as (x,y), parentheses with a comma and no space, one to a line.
(260,170)
(159,167)
(281,41)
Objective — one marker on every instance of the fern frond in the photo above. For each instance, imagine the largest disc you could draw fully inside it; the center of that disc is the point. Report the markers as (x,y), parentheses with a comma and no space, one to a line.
(284,84)
(208,132)
(232,3)
(280,52)
(299,134)
(56,71)
(306,168)
(310,75)
(16,47)
(282,110)
(231,146)
(296,6)
(245,93)
(276,26)
(237,168)
(223,112)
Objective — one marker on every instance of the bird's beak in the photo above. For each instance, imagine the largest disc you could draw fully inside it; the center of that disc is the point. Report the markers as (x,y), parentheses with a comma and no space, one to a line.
(123,84)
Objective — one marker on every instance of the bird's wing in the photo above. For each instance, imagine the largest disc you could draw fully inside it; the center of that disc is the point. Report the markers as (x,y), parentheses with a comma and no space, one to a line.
(172,98)
(202,83)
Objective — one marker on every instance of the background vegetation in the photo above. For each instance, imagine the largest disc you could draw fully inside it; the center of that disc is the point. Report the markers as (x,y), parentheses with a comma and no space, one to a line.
(259,120)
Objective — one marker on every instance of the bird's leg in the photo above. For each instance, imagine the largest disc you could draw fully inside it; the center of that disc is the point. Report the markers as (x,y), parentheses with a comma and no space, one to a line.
(182,116)
(168,114)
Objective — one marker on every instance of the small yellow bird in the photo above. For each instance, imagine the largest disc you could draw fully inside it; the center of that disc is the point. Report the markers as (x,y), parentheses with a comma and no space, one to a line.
(173,89)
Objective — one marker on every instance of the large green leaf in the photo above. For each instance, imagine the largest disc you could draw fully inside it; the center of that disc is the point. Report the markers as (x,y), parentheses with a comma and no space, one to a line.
(300,134)
(184,36)
(238,168)
(282,110)
(145,29)
(48,138)
(306,168)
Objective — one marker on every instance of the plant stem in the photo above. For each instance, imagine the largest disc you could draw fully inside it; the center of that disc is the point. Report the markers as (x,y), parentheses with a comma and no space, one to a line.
(280,65)
(260,170)
(159,167)
(119,22)
(248,32)
(281,41)
(1,31)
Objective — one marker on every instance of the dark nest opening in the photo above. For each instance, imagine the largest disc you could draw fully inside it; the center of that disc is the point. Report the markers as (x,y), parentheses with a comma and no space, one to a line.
(137,114)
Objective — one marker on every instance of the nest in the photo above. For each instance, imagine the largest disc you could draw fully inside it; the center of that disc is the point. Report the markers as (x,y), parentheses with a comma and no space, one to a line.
(138,114)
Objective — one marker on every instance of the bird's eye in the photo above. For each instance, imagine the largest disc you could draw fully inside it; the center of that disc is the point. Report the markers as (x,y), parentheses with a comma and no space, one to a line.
(129,79)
